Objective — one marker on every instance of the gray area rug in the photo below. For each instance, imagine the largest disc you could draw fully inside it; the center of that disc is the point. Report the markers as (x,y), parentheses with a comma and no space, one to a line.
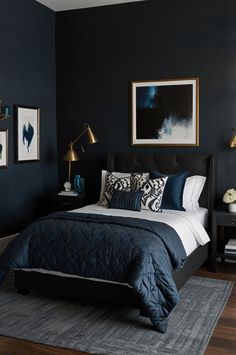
(116,330)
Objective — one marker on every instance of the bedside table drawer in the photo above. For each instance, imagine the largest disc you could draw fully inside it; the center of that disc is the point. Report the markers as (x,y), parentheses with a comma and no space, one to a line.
(226,219)
(66,203)
(222,219)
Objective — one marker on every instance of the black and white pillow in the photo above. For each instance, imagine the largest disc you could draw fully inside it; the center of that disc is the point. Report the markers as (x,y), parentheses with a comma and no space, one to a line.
(112,182)
(152,192)
(116,174)
(137,179)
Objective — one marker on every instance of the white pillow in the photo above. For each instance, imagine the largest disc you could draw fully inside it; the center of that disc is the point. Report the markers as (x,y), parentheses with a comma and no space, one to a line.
(116,174)
(192,190)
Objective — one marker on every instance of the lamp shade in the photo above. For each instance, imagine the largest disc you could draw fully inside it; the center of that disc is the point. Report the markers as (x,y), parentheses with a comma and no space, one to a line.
(71,155)
(90,135)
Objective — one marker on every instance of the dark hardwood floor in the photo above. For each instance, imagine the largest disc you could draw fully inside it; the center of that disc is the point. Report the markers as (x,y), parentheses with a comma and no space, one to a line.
(223,340)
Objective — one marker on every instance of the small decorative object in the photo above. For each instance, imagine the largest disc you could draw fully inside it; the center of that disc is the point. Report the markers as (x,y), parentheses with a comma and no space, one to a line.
(232,207)
(67,186)
(4,111)
(230,198)
(3,148)
(27,133)
(165,112)
(77,183)
(81,186)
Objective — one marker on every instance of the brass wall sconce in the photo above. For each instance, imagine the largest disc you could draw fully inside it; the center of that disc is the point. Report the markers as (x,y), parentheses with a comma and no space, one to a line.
(71,154)
(232,142)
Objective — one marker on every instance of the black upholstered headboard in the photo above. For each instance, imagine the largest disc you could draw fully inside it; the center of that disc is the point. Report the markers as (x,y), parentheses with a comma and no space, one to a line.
(196,164)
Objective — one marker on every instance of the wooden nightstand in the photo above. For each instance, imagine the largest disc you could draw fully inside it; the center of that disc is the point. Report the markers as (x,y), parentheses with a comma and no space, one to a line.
(66,203)
(221,218)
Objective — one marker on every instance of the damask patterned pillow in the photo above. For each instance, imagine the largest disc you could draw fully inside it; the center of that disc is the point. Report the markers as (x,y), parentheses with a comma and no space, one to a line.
(116,174)
(137,180)
(112,182)
(152,191)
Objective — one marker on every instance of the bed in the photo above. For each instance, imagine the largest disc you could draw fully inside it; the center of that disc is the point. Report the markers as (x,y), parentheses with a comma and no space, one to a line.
(100,290)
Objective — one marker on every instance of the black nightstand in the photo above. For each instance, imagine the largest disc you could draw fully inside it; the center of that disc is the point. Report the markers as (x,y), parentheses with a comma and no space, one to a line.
(221,218)
(66,203)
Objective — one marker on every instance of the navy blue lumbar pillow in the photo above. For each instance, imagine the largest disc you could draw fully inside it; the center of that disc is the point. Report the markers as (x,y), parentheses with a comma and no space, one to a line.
(126,200)
(173,194)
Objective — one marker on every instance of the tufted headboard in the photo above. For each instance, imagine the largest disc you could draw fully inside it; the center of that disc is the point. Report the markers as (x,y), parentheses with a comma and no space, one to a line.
(196,164)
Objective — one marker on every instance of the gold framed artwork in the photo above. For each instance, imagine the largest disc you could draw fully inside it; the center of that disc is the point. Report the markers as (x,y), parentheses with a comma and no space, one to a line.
(27,133)
(3,148)
(165,112)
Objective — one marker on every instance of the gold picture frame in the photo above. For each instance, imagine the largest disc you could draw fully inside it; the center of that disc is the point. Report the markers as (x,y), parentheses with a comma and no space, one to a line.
(165,112)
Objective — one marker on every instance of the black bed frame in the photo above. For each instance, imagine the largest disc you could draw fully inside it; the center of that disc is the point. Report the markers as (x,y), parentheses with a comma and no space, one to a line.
(196,164)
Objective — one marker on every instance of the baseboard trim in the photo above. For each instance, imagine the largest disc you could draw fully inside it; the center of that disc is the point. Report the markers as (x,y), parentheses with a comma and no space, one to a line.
(5,241)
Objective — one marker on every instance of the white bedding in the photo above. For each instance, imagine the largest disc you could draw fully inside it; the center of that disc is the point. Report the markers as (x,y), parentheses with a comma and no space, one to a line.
(188,224)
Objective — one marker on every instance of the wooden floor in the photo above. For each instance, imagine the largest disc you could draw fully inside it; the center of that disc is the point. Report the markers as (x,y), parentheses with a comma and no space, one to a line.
(223,340)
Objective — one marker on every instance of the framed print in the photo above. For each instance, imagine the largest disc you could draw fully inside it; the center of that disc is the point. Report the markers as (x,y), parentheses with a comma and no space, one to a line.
(3,148)
(165,112)
(27,133)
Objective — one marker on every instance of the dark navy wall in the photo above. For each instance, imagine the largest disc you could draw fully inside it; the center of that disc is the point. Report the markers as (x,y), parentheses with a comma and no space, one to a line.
(100,50)
(27,77)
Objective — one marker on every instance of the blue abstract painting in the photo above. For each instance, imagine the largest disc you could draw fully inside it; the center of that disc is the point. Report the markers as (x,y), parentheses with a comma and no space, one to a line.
(28,134)
(165,112)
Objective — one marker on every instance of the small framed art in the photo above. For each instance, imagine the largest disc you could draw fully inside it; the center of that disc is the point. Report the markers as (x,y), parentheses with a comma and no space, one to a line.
(27,133)
(165,112)
(3,148)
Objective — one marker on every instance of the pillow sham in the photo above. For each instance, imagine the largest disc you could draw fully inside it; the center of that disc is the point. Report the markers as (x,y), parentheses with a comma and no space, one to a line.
(192,191)
(103,178)
(112,182)
(173,193)
(118,175)
(126,200)
(152,192)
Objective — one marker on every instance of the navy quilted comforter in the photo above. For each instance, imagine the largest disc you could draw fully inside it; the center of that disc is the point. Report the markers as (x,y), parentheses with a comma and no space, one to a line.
(139,252)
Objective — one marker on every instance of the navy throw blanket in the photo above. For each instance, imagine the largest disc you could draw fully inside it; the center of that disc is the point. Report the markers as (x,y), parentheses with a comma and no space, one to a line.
(139,252)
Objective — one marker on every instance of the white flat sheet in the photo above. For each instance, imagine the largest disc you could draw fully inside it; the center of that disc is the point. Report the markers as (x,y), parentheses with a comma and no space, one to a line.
(200,214)
(188,224)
